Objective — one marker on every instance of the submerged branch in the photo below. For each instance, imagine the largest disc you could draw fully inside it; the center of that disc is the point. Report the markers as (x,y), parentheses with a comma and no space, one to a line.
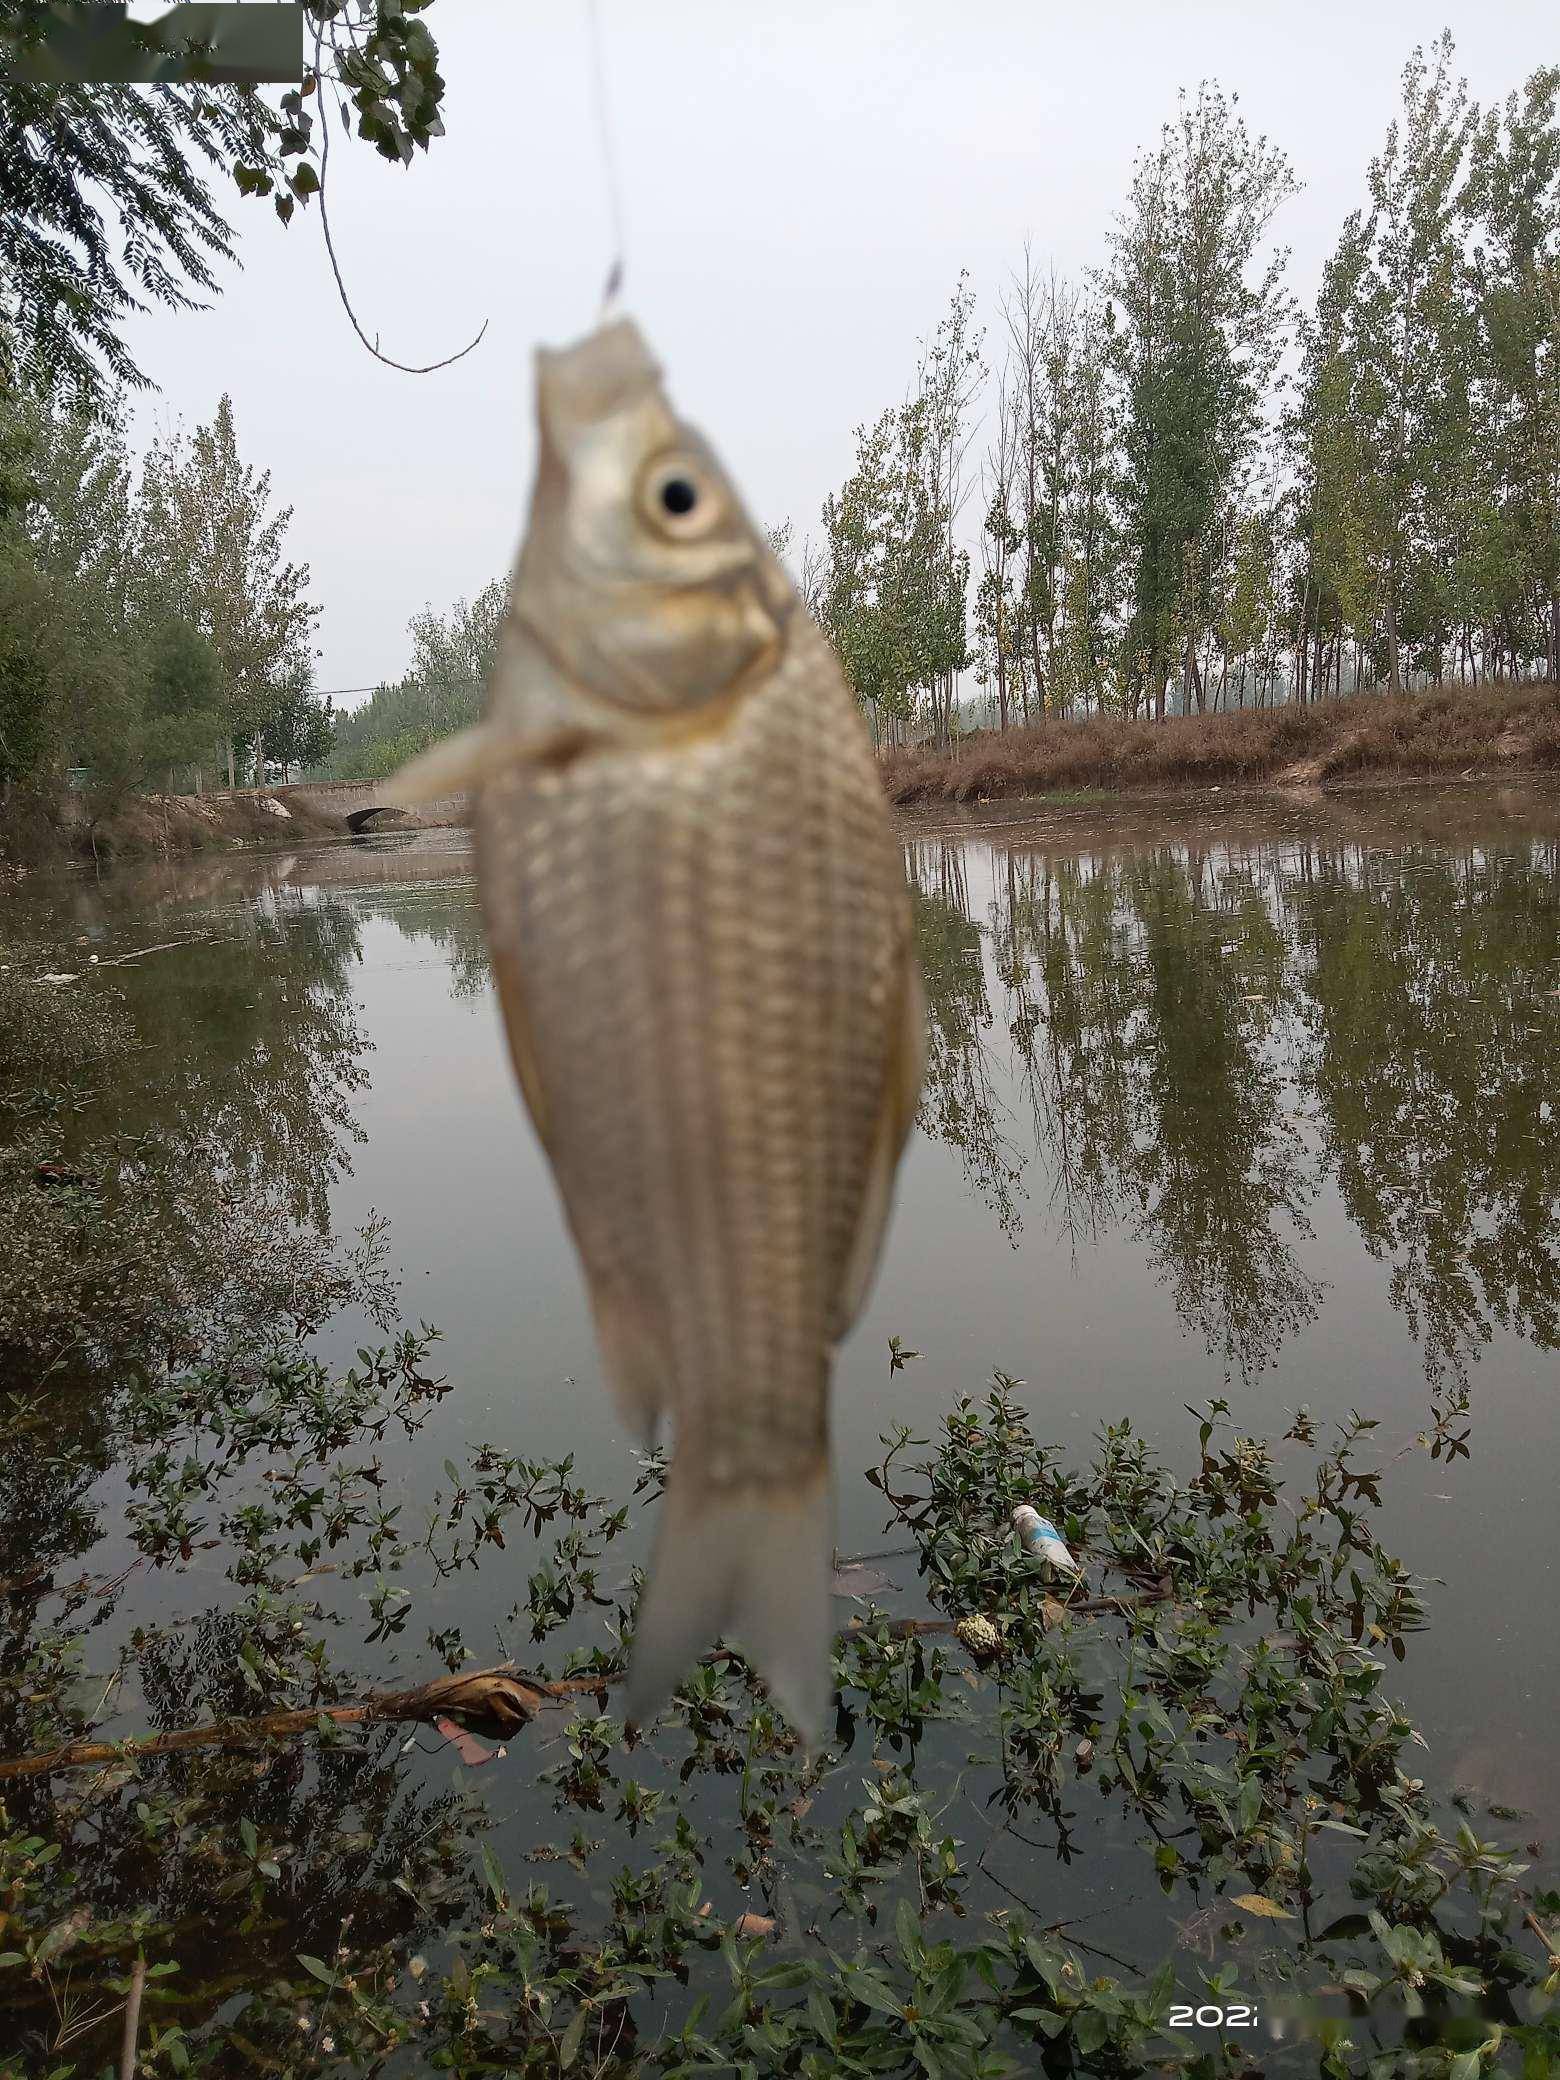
(499,1699)
(497,1696)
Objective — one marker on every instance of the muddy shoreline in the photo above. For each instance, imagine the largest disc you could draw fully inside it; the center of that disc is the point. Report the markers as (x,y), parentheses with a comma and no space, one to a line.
(1069,772)
(1375,740)
(41,833)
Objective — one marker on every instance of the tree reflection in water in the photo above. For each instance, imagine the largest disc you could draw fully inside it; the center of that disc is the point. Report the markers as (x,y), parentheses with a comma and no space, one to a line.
(1435,1027)
(1206,1035)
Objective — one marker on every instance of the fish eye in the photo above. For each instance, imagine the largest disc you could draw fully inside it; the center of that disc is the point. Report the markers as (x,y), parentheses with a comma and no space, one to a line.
(678,498)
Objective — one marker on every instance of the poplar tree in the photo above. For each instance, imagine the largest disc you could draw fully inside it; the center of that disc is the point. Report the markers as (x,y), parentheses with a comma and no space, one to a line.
(211,552)
(1514,199)
(1202,322)
(892,595)
(1404,331)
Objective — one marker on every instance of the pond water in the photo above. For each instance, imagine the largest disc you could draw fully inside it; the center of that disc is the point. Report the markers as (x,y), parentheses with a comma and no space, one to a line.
(1230,1098)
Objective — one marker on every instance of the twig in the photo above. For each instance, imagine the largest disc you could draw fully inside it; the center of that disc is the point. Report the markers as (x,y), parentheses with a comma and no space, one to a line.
(118,960)
(491,1694)
(132,2020)
(405,367)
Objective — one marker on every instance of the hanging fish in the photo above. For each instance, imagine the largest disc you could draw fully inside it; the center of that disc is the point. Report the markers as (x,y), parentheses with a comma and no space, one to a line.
(700,931)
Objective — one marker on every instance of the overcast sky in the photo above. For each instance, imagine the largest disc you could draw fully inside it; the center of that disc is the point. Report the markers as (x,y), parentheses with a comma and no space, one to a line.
(803,181)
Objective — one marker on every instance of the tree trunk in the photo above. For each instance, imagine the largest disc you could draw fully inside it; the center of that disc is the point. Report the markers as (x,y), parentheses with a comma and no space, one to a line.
(1194,679)
(1394,665)
(1302,640)
(1002,686)
(232,776)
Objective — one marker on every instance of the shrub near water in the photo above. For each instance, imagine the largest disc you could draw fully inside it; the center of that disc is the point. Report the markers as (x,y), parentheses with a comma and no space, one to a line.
(963,1884)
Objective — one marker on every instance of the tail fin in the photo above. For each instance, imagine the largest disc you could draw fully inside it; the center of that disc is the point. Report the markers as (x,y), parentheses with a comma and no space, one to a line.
(755,1562)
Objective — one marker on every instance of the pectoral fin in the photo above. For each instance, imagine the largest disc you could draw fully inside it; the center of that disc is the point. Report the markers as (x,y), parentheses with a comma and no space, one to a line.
(901,1095)
(460,764)
(452,766)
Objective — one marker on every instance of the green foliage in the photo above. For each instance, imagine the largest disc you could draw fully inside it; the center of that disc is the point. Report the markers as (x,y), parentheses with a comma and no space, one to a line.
(106,206)
(144,623)
(1427,420)
(892,596)
(211,551)
(1160,518)
(1223,1701)
(181,717)
(1197,346)
(452,658)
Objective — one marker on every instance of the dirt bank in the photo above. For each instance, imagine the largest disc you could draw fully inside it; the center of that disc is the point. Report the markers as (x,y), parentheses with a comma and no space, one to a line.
(35,831)
(1446,731)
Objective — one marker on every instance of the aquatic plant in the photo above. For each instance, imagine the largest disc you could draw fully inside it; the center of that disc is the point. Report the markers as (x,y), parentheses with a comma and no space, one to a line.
(1037,1786)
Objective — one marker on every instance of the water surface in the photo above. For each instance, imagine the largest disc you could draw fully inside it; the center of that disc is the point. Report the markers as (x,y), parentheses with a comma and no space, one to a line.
(1225,1099)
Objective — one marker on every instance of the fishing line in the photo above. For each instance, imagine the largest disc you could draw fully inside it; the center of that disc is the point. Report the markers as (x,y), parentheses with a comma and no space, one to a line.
(603,109)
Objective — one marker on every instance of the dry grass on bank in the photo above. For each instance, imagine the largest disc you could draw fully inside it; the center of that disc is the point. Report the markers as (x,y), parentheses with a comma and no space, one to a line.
(188,823)
(1445,730)
(38,831)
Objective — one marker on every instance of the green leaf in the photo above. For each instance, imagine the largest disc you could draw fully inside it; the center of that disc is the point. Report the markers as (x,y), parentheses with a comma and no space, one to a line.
(875,1994)
(573,2037)
(1250,1805)
(317,1968)
(1090,2029)
(1046,2020)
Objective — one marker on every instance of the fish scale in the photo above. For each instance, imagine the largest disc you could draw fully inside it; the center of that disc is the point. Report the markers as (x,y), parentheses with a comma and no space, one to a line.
(716,889)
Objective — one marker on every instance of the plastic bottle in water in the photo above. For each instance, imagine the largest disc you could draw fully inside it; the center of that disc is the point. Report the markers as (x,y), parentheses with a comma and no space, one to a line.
(1038,1535)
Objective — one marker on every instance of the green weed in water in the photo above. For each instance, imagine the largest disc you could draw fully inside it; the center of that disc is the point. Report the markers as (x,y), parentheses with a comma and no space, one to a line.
(1177,1782)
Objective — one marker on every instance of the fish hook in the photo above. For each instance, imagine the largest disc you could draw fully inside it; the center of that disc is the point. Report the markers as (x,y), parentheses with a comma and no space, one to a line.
(614,284)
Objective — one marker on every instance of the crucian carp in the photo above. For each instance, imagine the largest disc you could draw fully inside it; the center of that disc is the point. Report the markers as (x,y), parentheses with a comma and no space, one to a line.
(700,931)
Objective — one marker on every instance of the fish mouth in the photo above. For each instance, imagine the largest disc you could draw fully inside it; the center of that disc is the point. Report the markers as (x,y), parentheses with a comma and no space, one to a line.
(607,372)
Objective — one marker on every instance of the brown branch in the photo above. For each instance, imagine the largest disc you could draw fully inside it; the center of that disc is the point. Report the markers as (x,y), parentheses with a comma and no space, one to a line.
(498,1699)
(132,2020)
(406,367)
(496,1696)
